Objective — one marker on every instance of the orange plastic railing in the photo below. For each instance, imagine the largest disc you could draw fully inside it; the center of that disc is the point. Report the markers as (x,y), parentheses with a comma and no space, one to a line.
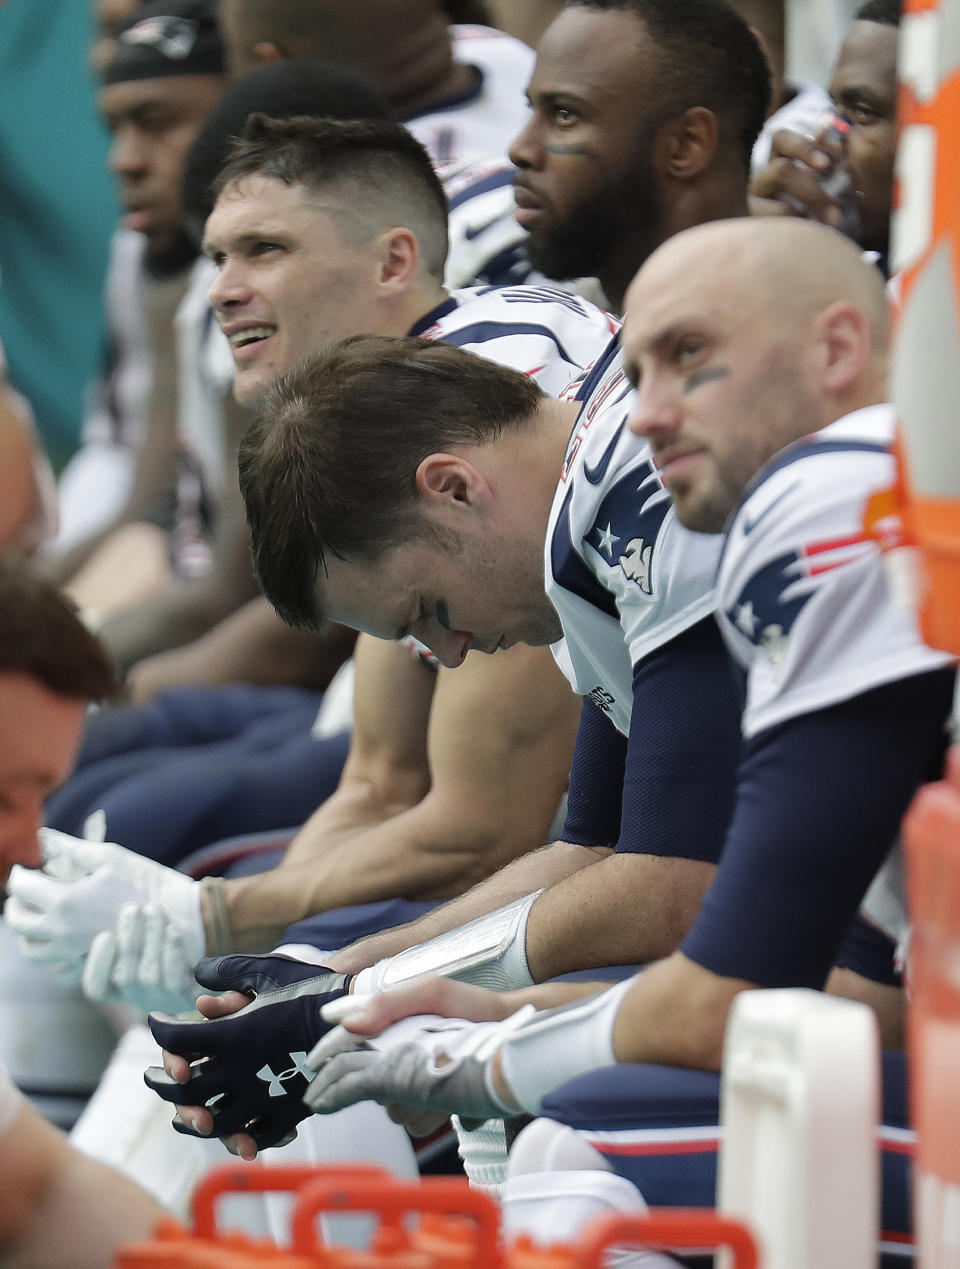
(459,1228)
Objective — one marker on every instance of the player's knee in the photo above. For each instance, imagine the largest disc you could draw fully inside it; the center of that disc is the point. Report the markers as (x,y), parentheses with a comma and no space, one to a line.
(557,1184)
(548,1146)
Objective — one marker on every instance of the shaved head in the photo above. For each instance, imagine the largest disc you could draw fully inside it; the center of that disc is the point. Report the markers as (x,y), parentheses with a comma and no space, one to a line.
(790,269)
(743,336)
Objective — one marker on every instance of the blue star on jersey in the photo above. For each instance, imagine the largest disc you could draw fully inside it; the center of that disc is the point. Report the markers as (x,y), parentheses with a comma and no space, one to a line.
(627,523)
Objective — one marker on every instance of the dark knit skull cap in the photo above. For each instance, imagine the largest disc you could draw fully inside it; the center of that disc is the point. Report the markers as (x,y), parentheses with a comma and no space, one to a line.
(167,37)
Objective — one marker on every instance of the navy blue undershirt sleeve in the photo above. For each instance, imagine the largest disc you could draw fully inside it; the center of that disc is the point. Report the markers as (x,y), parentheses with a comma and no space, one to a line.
(596,780)
(869,952)
(674,793)
(820,801)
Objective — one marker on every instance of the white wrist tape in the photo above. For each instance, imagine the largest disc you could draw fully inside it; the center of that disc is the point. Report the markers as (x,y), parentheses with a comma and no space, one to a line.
(488,952)
(558,1044)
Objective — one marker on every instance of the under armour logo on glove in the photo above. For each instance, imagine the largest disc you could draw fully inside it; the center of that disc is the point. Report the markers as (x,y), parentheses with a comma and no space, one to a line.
(275,1081)
(235,1060)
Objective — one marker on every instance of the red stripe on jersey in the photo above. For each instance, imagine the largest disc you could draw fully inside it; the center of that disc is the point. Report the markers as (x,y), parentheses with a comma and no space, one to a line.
(889,1236)
(657,1147)
(832,544)
(896,1147)
(535,371)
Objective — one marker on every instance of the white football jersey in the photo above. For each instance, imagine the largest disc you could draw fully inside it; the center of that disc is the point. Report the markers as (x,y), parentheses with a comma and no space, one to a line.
(547,334)
(96,482)
(804,605)
(486,243)
(205,462)
(483,121)
(623,574)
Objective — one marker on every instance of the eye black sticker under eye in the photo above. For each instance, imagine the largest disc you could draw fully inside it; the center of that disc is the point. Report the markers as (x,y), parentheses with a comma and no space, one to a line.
(708,375)
(566,148)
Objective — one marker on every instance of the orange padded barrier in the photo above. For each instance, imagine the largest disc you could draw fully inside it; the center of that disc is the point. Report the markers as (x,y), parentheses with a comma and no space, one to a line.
(932,839)
(926,353)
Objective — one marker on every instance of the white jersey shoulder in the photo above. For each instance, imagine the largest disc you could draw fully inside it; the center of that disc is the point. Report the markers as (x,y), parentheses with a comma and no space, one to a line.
(546,334)
(484,120)
(117,411)
(486,243)
(204,457)
(96,482)
(803,600)
(623,574)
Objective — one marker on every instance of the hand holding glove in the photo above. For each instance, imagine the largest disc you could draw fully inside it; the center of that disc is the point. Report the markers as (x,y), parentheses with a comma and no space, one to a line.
(141,962)
(428,1062)
(252,1061)
(58,910)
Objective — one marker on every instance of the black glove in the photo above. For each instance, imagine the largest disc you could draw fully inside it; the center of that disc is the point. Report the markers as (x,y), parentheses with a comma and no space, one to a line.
(255,1057)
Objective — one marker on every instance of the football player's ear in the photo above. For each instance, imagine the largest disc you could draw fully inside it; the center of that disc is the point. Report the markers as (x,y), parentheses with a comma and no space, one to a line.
(686,147)
(451,480)
(397,260)
(265,52)
(844,342)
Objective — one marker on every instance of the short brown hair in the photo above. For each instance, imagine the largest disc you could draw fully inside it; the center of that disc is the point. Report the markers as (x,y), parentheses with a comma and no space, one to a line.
(329,465)
(384,172)
(42,635)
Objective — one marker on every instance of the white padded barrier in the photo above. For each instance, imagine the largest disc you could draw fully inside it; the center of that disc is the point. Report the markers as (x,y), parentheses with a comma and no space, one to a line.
(54,1043)
(799,1161)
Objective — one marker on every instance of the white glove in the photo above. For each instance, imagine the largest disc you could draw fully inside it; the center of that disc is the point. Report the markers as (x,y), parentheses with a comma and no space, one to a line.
(58,910)
(427,1062)
(142,963)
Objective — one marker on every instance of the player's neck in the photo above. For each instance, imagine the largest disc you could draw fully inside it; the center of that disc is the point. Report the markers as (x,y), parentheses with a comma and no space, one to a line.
(557,421)
(419,73)
(694,206)
(411,308)
(531,455)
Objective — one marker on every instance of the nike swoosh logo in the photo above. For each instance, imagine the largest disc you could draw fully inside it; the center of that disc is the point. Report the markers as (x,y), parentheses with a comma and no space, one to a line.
(596,473)
(748,526)
(474,231)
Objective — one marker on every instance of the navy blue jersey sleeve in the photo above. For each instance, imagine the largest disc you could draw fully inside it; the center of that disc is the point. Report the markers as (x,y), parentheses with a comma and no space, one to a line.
(819,804)
(670,789)
(596,780)
(680,780)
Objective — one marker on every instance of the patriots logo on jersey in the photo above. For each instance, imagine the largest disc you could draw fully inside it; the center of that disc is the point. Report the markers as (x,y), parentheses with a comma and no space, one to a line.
(635,563)
(770,603)
(628,521)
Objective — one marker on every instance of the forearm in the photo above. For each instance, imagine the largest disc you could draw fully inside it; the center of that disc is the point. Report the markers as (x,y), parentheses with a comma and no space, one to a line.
(544,867)
(249,646)
(628,910)
(61,1207)
(88,1211)
(175,616)
(418,853)
(675,1014)
(18,479)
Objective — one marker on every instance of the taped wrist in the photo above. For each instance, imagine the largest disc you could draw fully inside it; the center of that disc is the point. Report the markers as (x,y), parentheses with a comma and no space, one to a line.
(215,919)
(558,1044)
(490,951)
